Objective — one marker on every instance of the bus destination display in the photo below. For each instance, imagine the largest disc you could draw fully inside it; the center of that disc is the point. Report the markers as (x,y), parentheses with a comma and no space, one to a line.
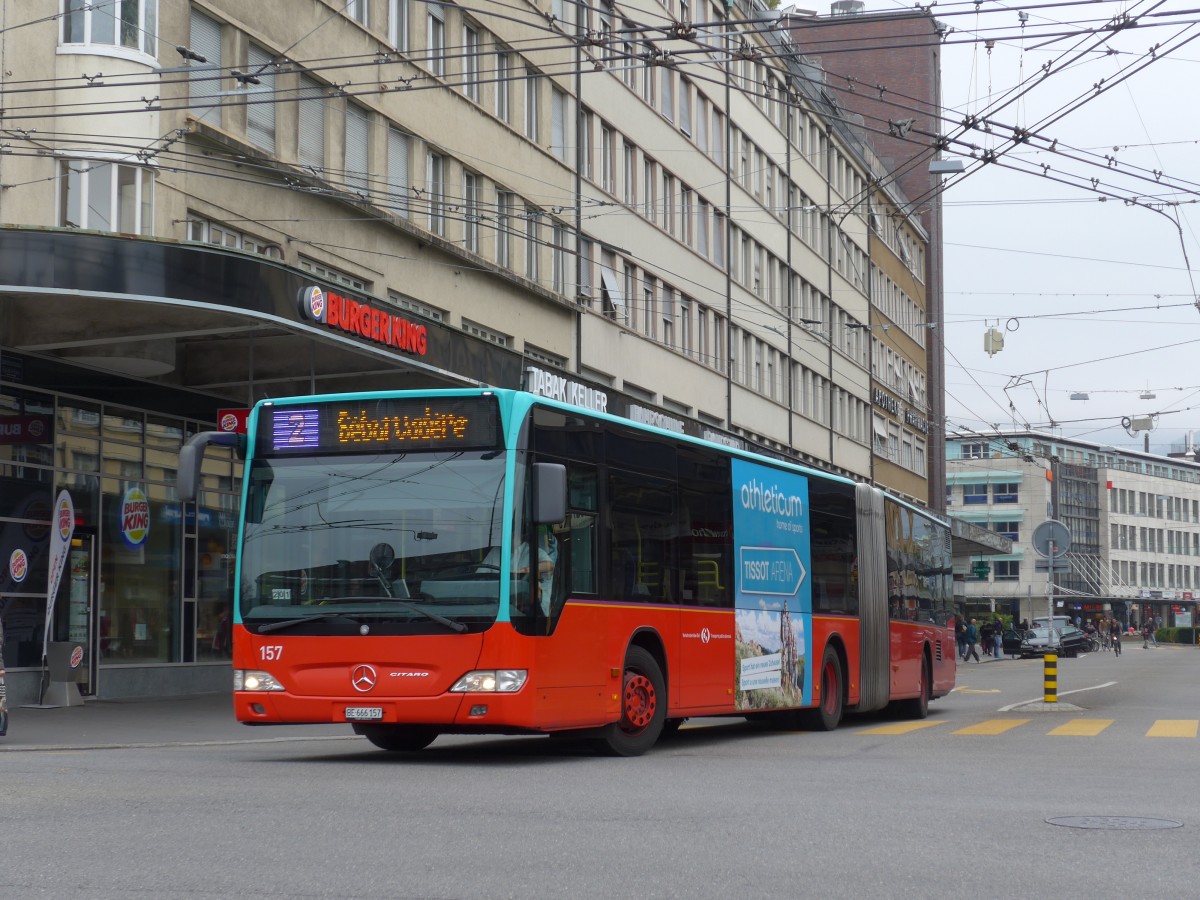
(460,423)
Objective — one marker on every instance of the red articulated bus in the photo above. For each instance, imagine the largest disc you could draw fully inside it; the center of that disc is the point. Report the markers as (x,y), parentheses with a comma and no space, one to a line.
(489,561)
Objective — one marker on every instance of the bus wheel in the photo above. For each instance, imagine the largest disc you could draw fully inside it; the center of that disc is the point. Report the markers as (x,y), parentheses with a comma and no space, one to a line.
(918,707)
(828,715)
(397,738)
(643,707)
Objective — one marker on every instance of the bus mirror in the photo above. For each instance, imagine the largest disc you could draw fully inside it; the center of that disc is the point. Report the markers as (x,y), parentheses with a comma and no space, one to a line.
(191,456)
(549,493)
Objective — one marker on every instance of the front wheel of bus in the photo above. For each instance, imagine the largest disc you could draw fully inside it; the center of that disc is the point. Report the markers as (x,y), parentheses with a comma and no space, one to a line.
(643,707)
(828,715)
(397,738)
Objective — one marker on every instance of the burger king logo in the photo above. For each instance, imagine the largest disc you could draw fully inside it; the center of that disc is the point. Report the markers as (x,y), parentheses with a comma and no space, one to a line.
(37,429)
(135,518)
(312,303)
(76,657)
(18,565)
(229,422)
(64,518)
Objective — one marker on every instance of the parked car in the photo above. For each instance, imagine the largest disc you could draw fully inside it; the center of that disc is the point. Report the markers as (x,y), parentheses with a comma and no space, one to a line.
(1012,640)
(1065,641)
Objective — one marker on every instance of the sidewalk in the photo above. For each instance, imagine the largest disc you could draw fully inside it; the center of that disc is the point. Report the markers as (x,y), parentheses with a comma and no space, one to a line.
(107,724)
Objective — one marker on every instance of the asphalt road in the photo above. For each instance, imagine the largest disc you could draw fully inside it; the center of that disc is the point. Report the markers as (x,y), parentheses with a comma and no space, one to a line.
(955,808)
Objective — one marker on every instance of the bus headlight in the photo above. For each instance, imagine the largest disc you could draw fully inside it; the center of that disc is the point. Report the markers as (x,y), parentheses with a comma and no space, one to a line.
(491,681)
(251,680)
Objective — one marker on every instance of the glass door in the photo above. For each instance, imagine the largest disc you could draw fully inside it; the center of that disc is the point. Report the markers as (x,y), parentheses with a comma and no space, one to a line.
(81,604)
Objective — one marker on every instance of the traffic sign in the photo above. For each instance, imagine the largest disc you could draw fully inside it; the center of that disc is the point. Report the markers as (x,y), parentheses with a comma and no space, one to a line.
(1051,538)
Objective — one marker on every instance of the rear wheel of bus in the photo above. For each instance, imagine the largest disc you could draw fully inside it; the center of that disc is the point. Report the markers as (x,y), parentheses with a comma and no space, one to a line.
(828,714)
(643,707)
(397,738)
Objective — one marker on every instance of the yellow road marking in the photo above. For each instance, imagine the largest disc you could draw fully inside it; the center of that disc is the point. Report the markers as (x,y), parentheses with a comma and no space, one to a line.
(1185,728)
(1081,728)
(992,726)
(899,728)
(976,691)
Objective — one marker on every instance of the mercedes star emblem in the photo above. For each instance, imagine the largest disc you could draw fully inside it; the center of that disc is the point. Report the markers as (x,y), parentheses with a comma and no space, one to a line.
(363,678)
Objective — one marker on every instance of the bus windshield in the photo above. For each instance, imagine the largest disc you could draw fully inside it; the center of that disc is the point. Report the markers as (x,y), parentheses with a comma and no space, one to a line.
(406,543)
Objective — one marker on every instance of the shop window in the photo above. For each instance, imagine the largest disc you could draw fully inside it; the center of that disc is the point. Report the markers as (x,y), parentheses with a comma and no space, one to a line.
(106,196)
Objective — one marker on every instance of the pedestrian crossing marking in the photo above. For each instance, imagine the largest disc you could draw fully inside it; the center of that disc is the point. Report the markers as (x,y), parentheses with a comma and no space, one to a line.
(992,726)
(1184,728)
(1081,728)
(900,728)
(1176,728)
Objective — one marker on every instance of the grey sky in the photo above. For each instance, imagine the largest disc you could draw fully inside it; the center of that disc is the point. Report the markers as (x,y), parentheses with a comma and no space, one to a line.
(1092,296)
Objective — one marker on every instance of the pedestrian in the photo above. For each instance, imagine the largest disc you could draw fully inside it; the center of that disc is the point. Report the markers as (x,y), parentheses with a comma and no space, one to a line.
(960,637)
(998,638)
(1115,634)
(985,638)
(972,637)
(1147,630)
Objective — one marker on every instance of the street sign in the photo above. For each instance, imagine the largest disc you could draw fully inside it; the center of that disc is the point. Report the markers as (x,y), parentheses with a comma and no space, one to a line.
(1051,538)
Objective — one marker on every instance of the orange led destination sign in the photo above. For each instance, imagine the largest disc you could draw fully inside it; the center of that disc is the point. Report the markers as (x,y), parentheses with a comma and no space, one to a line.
(364,428)
(386,424)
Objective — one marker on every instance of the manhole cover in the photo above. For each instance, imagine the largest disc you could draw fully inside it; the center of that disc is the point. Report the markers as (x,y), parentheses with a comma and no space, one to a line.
(1121,823)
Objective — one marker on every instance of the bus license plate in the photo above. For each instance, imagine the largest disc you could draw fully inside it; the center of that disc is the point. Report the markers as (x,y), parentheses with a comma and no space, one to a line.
(360,713)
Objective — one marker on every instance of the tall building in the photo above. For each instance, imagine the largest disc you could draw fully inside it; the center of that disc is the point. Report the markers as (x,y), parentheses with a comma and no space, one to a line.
(1133,519)
(650,209)
(883,72)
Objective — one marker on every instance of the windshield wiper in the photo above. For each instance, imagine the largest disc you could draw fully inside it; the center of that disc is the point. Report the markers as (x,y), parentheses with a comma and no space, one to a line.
(441,620)
(281,624)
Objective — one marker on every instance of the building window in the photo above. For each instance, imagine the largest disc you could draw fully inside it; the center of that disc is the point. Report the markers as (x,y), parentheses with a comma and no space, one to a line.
(1010,530)
(558,123)
(357,10)
(558,250)
(259,88)
(532,112)
(330,274)
(398,188)
(488,334)
(437,39)
(503,85)
(412,305)
(972,451)
(532,242)
(311,131)
(471,62)
(471,211)
(1006,570)
(506,204)
(204,78)
(1005,492)
(398,23)
(607,164)
(357,131)
(975,493)
(435,187)
(205,231)
(131,24)
(103,196)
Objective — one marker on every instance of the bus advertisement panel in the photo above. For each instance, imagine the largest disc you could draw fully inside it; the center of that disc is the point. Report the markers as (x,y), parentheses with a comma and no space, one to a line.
(773,598)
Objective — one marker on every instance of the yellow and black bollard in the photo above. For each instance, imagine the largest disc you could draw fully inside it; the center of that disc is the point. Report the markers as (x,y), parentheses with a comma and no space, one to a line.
(1050,677)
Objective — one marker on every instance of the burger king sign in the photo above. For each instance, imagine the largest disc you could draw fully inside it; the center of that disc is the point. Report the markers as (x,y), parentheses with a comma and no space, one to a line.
(135,518)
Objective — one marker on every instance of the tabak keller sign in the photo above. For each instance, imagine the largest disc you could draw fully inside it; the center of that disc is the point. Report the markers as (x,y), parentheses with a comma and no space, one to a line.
(338,313)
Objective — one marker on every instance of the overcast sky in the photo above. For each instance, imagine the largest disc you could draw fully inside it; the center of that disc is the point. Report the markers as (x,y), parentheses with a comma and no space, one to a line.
(1091,296)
